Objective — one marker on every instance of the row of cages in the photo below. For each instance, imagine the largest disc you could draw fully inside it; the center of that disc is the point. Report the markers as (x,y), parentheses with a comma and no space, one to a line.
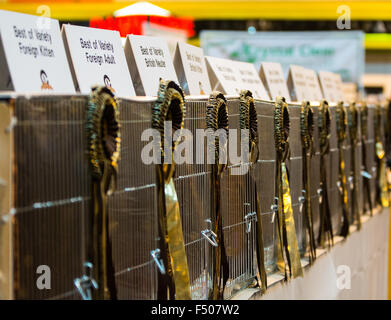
(46,196)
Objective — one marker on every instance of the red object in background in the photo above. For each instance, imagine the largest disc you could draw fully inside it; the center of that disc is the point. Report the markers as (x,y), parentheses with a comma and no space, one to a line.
(133,24)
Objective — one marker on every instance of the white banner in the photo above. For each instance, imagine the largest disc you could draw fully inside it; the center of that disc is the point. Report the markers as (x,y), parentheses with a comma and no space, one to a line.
(336,51)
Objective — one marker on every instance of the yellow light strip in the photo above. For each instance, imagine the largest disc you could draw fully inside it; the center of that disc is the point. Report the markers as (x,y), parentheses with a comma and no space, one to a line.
(232,9)
(378,41)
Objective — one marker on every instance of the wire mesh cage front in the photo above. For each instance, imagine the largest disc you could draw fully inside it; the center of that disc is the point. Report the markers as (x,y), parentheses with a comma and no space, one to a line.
(265,169)
(52,190)
(52,194)
(193,185)
(237,201)
(132,208)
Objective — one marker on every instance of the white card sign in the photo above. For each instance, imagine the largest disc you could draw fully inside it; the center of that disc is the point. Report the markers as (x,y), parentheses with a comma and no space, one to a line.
(32,57)
(189,63)
(231,77)
(96,56)
(313,88)
(297,84)
(273,77)
(338,86)
(328,83)
(148,60)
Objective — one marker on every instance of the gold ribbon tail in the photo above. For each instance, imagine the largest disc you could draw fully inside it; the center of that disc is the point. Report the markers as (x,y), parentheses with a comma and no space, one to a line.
(176,243)
(382,175)
(289,225)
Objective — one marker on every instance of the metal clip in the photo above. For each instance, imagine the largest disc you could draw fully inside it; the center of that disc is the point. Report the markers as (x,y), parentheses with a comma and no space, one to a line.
(274,208)
(320,195)
(374,169)
(210,236)
(366,174)
(248,219)
(302,200)
(86,282)
(159,262)
(351,184)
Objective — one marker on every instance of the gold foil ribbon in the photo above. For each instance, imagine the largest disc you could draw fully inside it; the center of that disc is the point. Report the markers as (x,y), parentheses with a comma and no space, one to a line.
(249,121)
(324,120)
(342,188)
(217,118)
(306,130)
(170,106)
(288,254)
(103,140)
(352,124)
(382,194)
(364,168)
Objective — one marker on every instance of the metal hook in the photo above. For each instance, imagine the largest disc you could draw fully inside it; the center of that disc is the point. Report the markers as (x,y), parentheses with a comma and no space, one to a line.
(86,282)
(159,262)
(210,236)
(248,218)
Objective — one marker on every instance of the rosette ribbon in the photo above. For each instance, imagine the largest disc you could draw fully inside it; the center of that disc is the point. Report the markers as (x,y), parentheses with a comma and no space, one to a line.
(103,143)
(288,256)
(173,278)
(249,121)
(326,228)
(217,119)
